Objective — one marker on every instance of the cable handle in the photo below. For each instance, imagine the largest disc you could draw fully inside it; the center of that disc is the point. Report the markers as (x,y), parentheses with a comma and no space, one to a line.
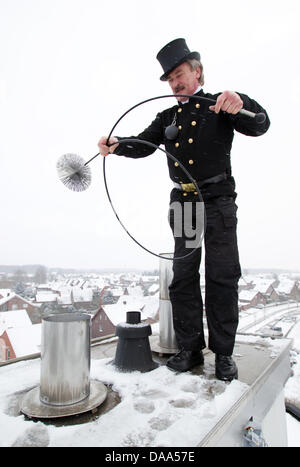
(259,118)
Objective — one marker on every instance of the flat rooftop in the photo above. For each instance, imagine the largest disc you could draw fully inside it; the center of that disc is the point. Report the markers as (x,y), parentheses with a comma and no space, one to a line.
(159,408)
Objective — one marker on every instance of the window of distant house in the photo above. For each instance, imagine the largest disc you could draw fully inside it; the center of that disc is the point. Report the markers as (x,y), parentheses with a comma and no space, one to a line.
(25,305)
(14,306)
(100,328)
(7,354)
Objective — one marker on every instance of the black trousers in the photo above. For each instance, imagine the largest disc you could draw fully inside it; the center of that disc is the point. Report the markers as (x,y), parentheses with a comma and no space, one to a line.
(222,273)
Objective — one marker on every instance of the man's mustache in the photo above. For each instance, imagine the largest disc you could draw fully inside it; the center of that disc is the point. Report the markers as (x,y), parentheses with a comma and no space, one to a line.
(178,89)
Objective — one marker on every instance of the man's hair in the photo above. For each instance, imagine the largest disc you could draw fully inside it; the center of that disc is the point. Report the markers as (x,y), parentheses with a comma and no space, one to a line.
(195,64)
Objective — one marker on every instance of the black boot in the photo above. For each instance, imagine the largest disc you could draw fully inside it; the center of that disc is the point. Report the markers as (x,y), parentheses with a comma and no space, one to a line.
(185,360)
(226,369)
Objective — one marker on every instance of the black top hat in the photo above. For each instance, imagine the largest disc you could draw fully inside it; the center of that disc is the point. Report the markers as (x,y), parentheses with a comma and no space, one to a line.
(173,54)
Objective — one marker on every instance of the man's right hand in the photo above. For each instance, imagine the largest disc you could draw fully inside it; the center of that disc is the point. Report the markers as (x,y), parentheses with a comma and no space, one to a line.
(103,148)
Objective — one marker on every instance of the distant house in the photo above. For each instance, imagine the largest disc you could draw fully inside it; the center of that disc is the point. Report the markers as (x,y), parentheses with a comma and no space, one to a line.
(64,296)
(251,298)
(17,342)
(244,285)
(84,296)
(77,295)
(16,318)
(107,317)
(273,295)
(101,325)
(288,290)
(265,286)
(45,296)
(116,292)
(18,336)
(14,301)
(148,306)
(295,292)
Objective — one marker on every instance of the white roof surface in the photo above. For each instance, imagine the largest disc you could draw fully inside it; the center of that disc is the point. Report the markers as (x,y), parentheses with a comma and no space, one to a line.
(15,318)
(247,295)
(25,340)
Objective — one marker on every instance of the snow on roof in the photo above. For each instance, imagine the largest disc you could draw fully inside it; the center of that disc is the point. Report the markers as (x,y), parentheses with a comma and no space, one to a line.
(15,318)
(285,286)
(13,295)
(42,297)
(242,281)
(180,412)
(149,278)
(262,285)
(248,278)
(136,290)
(117,312)
(117,291)
(7,298)
(99,282)
(64,295)
(82,295)
(164,408)
(151,306)
(25,340)
(247,295)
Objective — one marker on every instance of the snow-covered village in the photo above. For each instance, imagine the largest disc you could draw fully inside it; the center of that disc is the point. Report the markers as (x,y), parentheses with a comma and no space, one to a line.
(157,400)
(106,297)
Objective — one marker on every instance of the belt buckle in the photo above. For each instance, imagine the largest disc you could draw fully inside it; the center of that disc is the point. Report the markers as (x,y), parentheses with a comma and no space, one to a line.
(188,187)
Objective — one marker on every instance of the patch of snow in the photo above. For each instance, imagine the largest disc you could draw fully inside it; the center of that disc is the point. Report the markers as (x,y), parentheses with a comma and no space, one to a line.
(166,409)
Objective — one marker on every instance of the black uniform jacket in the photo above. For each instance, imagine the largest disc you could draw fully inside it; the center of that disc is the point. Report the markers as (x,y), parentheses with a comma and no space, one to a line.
(203,143)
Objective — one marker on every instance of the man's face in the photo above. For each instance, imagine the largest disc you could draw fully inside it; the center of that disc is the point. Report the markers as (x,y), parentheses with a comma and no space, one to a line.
(183,80)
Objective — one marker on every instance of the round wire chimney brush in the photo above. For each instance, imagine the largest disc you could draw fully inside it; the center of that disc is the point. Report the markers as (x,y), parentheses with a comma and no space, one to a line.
(74,172)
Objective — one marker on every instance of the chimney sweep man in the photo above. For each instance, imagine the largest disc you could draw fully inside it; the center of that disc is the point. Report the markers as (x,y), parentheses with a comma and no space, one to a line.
(201,141)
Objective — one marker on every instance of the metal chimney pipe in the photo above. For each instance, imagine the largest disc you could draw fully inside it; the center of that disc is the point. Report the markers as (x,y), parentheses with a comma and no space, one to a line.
(167,339)
(65,359)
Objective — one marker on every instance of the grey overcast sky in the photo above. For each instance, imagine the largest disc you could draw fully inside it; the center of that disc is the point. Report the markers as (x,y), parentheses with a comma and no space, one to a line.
(70,68)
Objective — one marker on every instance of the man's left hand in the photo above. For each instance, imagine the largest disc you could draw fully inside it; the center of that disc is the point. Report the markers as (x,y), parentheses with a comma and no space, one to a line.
(229,102)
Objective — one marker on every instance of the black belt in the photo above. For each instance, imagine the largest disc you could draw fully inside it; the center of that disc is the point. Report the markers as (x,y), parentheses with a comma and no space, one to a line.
(189,187)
